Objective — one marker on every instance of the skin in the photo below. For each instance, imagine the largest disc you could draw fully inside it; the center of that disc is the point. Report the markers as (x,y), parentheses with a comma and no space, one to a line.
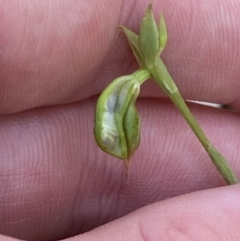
(55,182)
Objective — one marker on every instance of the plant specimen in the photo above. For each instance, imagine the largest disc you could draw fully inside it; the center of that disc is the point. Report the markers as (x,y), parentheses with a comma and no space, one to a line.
(117,122)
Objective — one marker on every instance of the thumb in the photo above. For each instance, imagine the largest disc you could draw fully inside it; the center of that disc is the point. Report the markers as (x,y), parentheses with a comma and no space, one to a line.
(205,215)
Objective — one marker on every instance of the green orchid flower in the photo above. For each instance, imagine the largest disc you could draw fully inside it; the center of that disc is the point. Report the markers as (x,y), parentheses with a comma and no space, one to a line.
(117,123)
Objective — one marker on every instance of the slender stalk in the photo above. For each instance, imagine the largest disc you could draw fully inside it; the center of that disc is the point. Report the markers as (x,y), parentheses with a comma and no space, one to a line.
(141,75)
(162,77)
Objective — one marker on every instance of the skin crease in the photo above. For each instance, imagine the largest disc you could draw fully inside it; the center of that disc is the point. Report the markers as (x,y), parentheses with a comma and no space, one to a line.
(55,183)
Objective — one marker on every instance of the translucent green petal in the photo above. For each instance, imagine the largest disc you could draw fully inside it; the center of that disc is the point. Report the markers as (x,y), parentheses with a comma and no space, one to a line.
(116,120)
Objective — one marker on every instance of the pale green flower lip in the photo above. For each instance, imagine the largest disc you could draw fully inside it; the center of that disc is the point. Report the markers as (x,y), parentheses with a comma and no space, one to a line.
(117,122)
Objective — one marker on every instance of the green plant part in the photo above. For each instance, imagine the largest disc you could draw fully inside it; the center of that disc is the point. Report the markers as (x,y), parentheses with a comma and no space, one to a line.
(164,80)
(133,42)
(117,121)
(162,29)
(148,40)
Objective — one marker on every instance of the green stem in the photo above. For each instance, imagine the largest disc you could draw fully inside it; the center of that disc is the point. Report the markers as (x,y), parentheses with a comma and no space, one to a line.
(162,77)
(141,75)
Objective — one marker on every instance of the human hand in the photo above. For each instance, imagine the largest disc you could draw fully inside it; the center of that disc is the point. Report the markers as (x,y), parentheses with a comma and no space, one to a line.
(55,182)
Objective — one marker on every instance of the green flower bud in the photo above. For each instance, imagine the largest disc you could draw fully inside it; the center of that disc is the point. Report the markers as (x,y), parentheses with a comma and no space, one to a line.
(152,38)
(117,123)
(148,40)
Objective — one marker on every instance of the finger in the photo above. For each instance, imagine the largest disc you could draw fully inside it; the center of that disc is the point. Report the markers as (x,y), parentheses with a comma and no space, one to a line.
(205,215)
(5,238)
(50,52)
(56,182)
(68,51)
(185,217)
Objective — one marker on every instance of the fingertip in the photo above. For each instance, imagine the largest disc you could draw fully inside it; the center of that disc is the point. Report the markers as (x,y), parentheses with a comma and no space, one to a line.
(209,215)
